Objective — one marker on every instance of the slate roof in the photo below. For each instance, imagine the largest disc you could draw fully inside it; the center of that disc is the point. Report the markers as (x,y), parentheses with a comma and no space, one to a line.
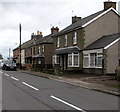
(46,39)
(79,23)
(103,41)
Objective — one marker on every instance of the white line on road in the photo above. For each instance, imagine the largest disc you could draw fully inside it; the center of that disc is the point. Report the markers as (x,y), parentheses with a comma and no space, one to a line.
(67,103)
(1,72)
(6,74)
(30,86)
(15,78)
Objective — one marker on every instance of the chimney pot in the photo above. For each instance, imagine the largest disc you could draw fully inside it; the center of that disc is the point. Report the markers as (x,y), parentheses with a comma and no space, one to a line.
(54,30)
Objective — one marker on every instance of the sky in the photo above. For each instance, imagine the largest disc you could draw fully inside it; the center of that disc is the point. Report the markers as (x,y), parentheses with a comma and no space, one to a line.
(39,15)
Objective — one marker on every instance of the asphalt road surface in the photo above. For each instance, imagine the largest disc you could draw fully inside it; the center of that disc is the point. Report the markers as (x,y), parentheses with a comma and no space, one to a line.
(21,91)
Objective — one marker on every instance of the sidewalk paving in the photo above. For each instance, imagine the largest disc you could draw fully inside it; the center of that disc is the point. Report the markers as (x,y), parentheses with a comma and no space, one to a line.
(99,83)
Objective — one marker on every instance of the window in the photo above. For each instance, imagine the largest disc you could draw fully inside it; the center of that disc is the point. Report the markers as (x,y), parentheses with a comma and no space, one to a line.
(99,59)
(39,50)
(43,48)
(65,40)
(73,60)
(92,60)
(75,38)
(58,42)
(86,60)
(56,59)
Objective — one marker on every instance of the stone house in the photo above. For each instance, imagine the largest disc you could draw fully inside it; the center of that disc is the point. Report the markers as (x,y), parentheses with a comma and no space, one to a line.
(43,51)
(30,49)
(70,42)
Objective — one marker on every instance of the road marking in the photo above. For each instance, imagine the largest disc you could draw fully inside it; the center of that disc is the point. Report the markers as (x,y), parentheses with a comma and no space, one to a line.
(1,72)
(30,86)
(15,78)
(67,103)
(6,75)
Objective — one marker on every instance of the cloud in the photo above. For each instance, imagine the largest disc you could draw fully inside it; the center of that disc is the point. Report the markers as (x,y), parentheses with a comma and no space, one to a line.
(39,15)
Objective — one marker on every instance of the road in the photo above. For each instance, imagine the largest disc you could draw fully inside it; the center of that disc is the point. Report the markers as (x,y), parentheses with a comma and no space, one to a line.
(21,91)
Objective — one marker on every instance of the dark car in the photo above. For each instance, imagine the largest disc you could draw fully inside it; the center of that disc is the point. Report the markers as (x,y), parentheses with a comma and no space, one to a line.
(9,65)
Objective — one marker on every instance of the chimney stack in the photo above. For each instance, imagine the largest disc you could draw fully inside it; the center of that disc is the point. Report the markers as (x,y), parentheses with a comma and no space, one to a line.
(39,35)
(108,4)
(75,19)
(54,30)
(32,36)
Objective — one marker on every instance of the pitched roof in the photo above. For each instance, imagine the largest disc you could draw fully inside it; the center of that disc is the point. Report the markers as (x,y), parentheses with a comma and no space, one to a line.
(85,21)
(46,39)
(103,41)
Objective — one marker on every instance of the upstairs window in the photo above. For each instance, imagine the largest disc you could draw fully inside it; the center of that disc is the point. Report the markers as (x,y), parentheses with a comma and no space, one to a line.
(58,42)
(39,50)
(65,40)
(43,48)
(75,38)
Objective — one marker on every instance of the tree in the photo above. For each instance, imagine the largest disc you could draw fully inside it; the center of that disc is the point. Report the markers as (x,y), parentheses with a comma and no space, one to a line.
(1,57)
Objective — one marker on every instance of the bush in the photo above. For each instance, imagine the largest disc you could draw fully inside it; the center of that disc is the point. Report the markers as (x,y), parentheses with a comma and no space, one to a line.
(118,73)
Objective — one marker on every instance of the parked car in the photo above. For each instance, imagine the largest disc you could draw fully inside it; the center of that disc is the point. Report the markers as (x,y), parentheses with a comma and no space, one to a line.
(9,65)
(1,63)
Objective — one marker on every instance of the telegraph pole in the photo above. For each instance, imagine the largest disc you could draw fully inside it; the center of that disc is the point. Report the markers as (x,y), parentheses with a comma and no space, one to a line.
(9,53)
(20,43)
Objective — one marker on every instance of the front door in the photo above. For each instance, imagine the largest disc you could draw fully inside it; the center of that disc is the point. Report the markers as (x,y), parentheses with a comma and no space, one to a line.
(65,61)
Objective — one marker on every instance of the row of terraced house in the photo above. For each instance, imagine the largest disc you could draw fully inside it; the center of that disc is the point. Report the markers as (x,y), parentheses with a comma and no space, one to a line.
(89,45)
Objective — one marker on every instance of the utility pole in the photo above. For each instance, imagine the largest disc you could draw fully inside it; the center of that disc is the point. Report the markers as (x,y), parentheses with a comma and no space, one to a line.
(9,53)
(20,43)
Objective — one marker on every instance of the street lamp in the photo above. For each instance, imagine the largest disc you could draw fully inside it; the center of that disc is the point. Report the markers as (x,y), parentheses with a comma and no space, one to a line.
(20,43)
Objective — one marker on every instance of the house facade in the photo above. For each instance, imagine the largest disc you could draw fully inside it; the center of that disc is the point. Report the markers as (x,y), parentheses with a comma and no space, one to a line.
(71,41)
(44,51)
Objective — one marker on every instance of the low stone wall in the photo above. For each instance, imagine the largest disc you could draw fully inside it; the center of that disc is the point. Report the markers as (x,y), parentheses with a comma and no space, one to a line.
(98,71)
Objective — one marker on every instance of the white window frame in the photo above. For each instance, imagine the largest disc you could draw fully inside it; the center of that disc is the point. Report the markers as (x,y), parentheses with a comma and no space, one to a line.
(87,56)
(55,61)
(75,38)
(65,40)
(43,48)
(58,42)
(73,54)
(94,62)
(99,55)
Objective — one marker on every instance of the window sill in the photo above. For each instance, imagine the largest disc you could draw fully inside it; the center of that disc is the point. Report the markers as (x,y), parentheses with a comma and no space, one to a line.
(93,67)
(73,66)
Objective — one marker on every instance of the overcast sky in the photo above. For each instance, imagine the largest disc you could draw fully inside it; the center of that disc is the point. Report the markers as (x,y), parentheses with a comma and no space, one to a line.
(39,15)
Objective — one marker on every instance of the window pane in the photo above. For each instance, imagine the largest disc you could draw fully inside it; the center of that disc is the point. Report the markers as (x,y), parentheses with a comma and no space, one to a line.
(92,59)
(76,62)
(86,62)
(99,62)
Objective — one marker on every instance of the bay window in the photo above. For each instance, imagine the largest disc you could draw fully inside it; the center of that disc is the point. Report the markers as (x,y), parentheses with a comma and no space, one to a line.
(73,60)
(56,59)
(92,60)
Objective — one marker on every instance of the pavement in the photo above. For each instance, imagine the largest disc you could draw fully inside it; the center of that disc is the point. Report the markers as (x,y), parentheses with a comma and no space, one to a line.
(105,84)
